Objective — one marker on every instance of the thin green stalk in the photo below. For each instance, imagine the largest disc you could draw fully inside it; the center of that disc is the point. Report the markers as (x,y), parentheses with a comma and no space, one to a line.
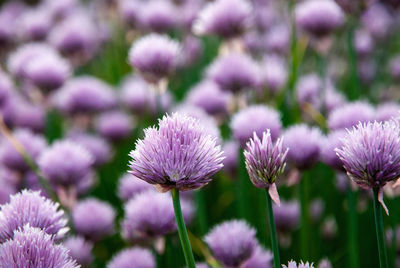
(183,235)
(272,231)
(201,214)
(242,189)
(305,217)
(353,229)
(380,231)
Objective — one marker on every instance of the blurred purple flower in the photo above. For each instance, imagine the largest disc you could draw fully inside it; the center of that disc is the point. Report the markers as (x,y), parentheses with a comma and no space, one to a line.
(129,186)
(136,95)
(80,250)
(350,114)
(135,257)
(377,20)
(231,151)
(308,89)
(260,258)
(273,74)
(287,216)
(293,264)
(328,153)
(114,125)
(158,16)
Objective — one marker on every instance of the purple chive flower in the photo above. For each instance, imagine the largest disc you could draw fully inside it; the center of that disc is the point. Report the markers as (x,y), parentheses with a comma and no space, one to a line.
(129,186)
(265,162)
(230,149)
(86,94)
(363,42)
(333,99)
(8,183)
(319,18)
(293,264)
(325,263)
(394,67)
(377,20)
(61,8)
(387,111)
(304,145)
(129,11)
(316,209)
(287,216)
(48,71)
(6,88)
(20,113)
(155,56)
(93,219)
(158,16)
(208,96)
(371,153)
(308,89)
(98,147)
(255,118)
(135,257)
(65,163)
(32,247)
(80,250)
(232,242)
(135,95)
(224,18)
(273,74)
(350,114)
(328,153)
(277,39)
(196,157)
(28,207)
(114,125)
(34,24)
(150,215)
(260,258)
(192,50)
(234,72)
(33,145)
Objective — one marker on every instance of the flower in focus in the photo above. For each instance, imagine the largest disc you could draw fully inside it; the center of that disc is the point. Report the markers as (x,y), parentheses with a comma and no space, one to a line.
(178,154)
(293,264)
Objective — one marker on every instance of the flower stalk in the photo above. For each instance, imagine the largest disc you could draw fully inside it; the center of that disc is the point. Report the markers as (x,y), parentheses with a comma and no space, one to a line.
(272,231)
(380,231)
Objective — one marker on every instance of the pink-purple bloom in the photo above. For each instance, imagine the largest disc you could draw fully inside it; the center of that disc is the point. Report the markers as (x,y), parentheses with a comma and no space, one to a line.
(350,115)
(328,153)
(195,155)
(293,264)
(80,250)
(129,186)
(135,257)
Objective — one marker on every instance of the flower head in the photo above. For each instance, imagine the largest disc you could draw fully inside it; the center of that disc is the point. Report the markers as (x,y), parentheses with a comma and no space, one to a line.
(328,153)
(308,90)
(287,216)
(32,247)
(260,258)
(158,16)
(136,94)
(232,242)
(155,56)
(350,114)
(28,207)
(114,125)
(80,250)
(134,258)
(178,154)
(293,264)
(130,186)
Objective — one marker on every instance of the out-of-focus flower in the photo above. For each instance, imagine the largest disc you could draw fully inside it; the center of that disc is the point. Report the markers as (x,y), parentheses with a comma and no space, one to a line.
(363,42)
(80,250)
(32,143)
(293,264)
(208,96)
(34,24)
(192,50)
(114,125)
(255,118)
(304,145)
(196,155)
(231,151)
(136,94)
(260,258)
(6,87)
(134,258)
(28,207)
(328,153)
(325,263)
(287,216)
(394,67)
(377,20)
(333,99)
(308,89)
(129,11)
(93,219)
(154,56)
(232,242)
(225,18)
(61,8)
(387,111)
(129,186)
(158,16)
(350,115)
(317,209)
(65,163)
(234,72)
(319,18)
(273,74)
(277,39)
(32,247)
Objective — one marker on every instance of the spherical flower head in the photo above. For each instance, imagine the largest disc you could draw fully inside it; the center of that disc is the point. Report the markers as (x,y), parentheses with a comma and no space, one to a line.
(114,125)
(333,99)
(231,151)
(277,39)
(287,216)
(158,16)
(32,247)
(29,207)
(265,161)
(34,24)
(196,157)
(377,20)
(136,95)
(319,18)
(304,145)
(155,56)
(192,50)
(208,96)
(363,42)
(370,153)
(129,11)
(260,258)
(33,145)
(129,186)
(80,250)
(86,95)
(48,72)
(135,257)
(150,215)
(328,153)
(350,115)
(234,72)
(255,118)
(94,219)
(65,163)
(224,18)
(325,263)
(273,74)
(97,146)
(387,111)
(293,264)
(24,114)
(232,242)
(308,89)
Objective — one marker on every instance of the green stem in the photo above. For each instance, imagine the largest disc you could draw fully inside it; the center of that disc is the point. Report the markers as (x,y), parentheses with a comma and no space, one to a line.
(305,218)
(380,231)
(183,235)
(242,189)
(201,213)
(353,229)
(272,231)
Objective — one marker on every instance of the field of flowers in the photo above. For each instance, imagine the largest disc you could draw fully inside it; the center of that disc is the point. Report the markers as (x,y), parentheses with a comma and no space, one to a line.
(197,133)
